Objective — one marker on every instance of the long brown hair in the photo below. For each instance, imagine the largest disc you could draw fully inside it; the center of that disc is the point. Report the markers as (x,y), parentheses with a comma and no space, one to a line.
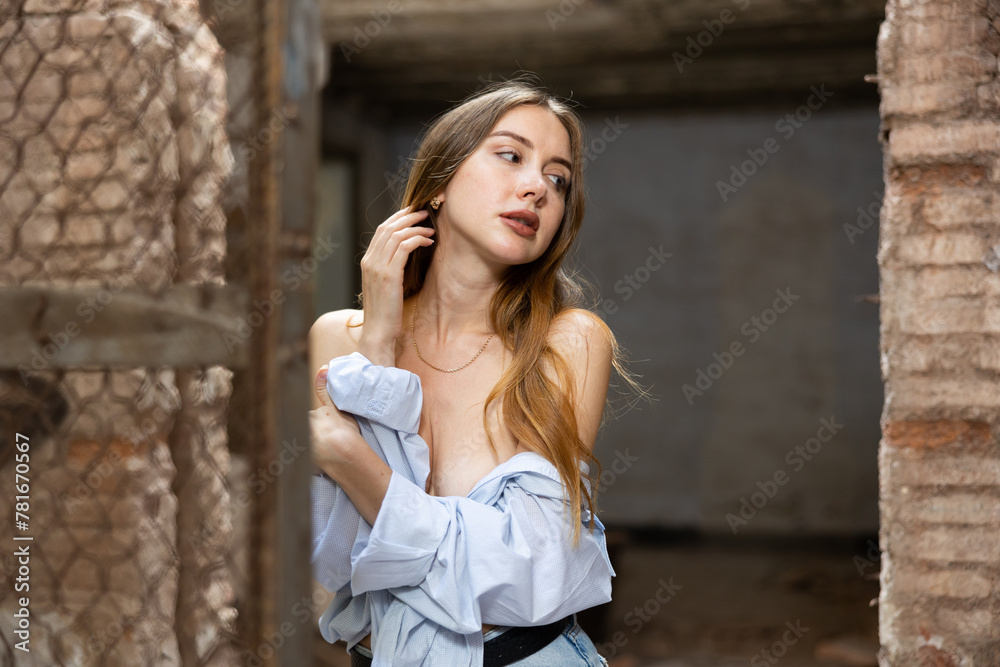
(538,412)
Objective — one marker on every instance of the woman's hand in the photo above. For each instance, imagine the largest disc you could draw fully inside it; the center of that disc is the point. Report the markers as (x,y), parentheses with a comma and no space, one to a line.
(341,452)
(382,282)
(333,432)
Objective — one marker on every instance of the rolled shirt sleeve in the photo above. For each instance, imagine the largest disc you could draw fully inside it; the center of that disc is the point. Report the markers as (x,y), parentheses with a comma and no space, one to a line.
(503,555)
(463,563)
(388,401)
(385,394)
(335,526)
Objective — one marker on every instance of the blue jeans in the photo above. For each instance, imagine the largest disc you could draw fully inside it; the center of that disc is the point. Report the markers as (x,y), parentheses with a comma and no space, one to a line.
(572,648)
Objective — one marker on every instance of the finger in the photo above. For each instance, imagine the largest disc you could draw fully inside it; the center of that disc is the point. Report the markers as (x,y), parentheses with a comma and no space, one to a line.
(321,391)
(405,234)
(399,258)
(402,218)
(382,251)
(400,213)
(395,216)
(384,231)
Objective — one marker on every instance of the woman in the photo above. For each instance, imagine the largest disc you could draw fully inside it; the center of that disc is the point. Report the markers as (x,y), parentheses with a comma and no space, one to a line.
(464,288)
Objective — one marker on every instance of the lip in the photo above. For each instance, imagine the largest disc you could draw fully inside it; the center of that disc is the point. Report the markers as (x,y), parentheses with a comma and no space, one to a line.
(522,214)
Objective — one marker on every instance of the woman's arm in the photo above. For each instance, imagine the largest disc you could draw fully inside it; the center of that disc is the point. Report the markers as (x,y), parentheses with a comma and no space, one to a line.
(461,563)
(578,336)
(336,519)
(368,477)
(390,397)
(464,562)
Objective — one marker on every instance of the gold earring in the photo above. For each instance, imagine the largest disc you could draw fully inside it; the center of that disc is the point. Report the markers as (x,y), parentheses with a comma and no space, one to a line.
(435,203)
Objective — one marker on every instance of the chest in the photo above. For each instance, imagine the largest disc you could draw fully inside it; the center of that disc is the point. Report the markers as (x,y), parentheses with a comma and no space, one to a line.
(451,423)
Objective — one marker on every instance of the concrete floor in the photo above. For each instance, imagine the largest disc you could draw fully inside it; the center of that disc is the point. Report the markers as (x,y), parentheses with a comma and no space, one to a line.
(702,602)
(798,600)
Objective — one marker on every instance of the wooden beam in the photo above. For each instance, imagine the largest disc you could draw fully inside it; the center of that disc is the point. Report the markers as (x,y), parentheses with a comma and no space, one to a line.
(629,25)
(293,383)
(759,79)
(627,54)
(47,327)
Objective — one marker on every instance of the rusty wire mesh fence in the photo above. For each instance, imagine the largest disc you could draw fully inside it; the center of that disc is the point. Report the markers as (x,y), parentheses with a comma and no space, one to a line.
(137,179)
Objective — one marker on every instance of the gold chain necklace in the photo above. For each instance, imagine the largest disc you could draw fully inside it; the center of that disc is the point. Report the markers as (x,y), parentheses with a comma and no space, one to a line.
(413,326)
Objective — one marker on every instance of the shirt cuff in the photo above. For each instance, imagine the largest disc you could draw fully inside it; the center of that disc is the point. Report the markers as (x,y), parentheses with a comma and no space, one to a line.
(385,394)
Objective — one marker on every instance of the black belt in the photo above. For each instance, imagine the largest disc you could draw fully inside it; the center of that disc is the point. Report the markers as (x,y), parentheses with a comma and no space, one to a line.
(510,646)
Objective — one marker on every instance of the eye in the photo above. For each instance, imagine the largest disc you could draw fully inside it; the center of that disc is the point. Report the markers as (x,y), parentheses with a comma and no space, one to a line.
(560,182)
(516,156)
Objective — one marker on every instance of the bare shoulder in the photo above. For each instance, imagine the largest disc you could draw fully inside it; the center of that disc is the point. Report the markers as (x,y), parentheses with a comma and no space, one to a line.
(330,337)
(585,342)
(335,334)
(576,330)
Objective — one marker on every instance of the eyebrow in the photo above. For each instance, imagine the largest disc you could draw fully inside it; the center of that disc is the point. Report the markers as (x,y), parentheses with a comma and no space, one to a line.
(527,142)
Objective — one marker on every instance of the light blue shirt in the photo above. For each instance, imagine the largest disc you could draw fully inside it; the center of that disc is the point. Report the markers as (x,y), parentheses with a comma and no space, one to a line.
(432,570)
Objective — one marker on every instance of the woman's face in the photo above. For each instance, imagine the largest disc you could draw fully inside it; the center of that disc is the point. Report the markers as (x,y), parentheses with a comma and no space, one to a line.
(521,168)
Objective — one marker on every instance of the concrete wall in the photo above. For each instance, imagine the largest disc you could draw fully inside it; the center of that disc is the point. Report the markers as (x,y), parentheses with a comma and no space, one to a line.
(653,183)
(335,278)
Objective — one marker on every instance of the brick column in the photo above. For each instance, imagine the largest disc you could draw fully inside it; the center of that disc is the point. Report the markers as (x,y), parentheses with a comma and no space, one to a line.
(113,153)
(939,256)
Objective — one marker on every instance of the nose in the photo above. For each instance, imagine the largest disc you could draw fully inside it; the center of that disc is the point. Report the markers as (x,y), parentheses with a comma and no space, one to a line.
(532,185)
